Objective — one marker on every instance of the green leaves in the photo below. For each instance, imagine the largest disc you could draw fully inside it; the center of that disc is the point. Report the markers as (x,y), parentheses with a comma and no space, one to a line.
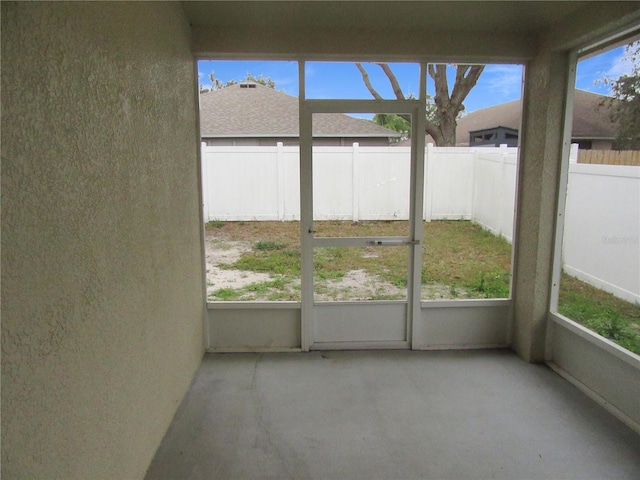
(394,122)
(625,104)
(217,84)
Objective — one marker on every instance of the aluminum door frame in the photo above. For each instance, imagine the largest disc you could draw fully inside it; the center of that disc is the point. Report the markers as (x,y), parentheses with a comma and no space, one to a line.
(417,109)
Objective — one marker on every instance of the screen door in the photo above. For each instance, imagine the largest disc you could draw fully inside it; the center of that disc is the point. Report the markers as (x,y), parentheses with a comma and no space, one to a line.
(360,224)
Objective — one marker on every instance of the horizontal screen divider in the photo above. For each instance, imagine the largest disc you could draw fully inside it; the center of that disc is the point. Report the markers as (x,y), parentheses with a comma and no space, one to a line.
(361,241)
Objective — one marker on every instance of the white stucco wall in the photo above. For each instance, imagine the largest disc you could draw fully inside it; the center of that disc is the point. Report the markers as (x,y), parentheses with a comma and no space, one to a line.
(102,293)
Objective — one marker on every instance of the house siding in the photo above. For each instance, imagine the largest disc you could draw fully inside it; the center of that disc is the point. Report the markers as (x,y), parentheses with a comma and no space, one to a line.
(294,142)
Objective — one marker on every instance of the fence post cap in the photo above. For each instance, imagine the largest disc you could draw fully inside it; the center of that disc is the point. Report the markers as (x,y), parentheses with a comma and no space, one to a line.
(573,153)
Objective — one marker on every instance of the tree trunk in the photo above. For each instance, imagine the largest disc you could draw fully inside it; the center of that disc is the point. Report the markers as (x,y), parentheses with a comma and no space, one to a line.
(449,107)
(442,121)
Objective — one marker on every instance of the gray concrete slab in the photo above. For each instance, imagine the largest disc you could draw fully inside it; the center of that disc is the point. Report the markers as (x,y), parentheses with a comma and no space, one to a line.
(390,415)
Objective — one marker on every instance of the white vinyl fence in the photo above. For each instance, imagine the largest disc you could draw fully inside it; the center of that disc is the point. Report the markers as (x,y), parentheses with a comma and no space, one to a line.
(360,183)
(602,226)
(372,183)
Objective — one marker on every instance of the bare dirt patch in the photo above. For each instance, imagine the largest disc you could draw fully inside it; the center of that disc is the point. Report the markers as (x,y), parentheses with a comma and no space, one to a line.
(355,285)
(223,252)
(358,285)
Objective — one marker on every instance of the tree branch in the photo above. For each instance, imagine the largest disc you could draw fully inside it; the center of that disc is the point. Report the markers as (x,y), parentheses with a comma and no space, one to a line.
(439,74)
(466,78)
(393,80)
(435,133)
(367,82)
(442,114)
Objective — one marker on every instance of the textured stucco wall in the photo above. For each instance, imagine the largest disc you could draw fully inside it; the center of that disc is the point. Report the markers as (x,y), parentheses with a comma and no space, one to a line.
(102,294)
(545,93)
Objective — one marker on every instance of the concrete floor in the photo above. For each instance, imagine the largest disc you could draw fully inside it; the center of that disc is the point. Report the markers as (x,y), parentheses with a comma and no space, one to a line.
(390,415)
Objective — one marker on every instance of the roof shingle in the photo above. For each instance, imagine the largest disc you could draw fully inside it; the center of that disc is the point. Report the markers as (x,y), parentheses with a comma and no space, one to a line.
(590,119)
(253,110)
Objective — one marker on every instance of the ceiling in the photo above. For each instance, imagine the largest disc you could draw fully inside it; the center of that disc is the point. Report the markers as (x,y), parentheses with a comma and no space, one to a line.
(476,16)
(421,30)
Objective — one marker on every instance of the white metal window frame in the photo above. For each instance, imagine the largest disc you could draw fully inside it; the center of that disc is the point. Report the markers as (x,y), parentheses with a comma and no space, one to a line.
(430,324)
(604,371)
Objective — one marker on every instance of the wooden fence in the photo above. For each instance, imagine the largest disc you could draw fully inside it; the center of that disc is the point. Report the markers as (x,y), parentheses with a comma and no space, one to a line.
(610,157)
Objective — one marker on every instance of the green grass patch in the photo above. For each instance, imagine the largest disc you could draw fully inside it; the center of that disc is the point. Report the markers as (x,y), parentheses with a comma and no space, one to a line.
(268,245)
(281,262)
(493,284)
(463,255)
(601,312)
(274,289)
(225,294)
(460,256)
(215,224)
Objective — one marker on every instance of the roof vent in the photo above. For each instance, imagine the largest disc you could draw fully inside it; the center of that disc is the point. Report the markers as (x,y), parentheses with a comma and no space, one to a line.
(247,85)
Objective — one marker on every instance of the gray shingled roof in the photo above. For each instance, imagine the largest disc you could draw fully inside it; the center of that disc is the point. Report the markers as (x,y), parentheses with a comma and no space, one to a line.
(260,111)
(590,120)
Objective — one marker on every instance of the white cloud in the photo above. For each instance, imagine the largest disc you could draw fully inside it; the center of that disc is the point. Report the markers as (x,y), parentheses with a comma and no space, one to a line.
(286,84)
(502,80)
(619,66)
(608,65)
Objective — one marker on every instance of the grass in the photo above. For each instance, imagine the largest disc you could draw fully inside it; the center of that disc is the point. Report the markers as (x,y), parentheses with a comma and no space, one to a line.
(609,316)
(268,245)
(216,224)
(278,288)
(463,255)
(458,254)
(226,294)
(460,257)
(281,262)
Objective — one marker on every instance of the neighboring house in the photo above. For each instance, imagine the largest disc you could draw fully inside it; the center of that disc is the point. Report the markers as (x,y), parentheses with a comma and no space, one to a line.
(494,137)
(249,113)
(592,127)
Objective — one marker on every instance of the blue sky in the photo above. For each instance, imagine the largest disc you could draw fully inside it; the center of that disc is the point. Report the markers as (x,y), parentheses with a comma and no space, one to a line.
(497,84)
